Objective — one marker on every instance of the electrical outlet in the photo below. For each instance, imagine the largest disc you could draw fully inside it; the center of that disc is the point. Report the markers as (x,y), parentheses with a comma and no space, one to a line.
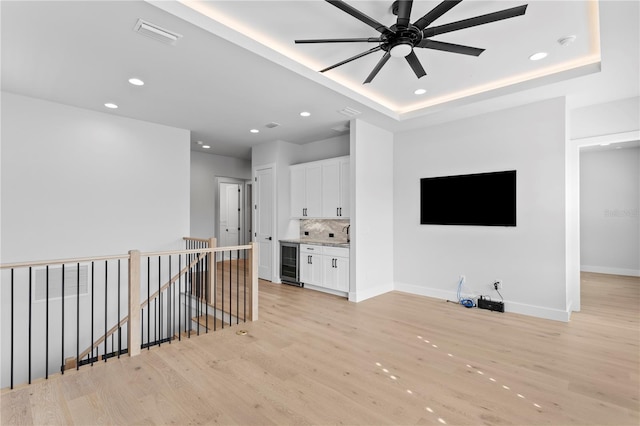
(331,235)
(497,285)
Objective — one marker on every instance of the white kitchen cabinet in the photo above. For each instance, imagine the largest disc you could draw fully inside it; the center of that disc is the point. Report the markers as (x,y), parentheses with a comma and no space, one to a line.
(306,190)
(321,189)
(325,267)
(335,268)
(335,188)
(345,187)
(311,264)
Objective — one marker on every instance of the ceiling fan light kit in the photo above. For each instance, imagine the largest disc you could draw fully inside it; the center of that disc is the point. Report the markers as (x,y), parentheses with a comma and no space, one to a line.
(402,38)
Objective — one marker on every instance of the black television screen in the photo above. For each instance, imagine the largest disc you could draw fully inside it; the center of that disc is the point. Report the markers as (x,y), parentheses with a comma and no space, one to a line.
(487,199)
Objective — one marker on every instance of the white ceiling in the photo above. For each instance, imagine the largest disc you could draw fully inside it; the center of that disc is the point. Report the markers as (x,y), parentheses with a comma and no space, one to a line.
(241,70)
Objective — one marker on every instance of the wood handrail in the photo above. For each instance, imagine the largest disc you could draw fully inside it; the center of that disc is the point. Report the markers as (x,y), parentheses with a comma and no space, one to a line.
(200,240)
(63,261)
(196,251)
(118,256)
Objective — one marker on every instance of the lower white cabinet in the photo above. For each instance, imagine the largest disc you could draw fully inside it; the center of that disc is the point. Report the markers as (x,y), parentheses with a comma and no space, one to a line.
(325,266)
(311,264)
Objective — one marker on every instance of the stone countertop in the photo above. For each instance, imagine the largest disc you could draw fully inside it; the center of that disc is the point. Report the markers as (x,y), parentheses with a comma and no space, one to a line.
(319,243)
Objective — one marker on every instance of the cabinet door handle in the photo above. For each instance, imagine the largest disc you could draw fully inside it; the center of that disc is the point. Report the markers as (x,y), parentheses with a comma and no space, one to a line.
(340,211)
(337,211)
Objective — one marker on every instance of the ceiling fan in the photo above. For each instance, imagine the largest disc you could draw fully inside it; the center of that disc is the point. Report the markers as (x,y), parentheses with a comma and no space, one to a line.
(403,37)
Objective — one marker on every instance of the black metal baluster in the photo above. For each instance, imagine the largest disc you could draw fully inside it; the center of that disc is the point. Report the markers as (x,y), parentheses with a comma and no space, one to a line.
(206,292)
(222,288)
(29,325)
(106,268)
(148,304)
(189,293)
(180,300)
(198,295)
(92,286)
(215,288)
(244,294)
(169,306)
(46,322)
(62,342)
(11,381)
(78,316)
(238,287)
(159,299)
(230,286)
(119,328)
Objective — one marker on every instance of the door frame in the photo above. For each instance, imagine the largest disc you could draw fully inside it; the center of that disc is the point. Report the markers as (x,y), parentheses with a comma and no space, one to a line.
(573,207)
(275,256)
(243,207)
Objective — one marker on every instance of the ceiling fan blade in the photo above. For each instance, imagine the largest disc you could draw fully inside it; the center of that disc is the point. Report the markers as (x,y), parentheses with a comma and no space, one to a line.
(478,20)
(450,47)
(415,64)
(378,67)
(342,40)
(381,28)
(435,13)
(359,55)
(404,13)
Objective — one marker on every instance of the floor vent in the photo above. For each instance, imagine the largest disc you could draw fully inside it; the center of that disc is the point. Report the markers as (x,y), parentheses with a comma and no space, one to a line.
(155,32)
(71,279)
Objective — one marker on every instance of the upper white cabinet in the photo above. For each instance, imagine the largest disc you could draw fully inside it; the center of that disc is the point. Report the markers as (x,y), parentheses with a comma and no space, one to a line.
(335,188)
(320,189)
(306,184)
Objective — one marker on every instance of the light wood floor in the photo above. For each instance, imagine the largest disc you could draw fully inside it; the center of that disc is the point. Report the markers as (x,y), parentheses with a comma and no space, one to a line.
(395,359)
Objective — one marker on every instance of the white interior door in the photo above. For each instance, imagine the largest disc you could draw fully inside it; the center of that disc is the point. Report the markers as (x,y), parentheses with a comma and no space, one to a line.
(264,229)
(229,214)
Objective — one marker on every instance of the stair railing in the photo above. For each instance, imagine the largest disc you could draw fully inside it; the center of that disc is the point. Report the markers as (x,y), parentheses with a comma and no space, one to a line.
(50,309)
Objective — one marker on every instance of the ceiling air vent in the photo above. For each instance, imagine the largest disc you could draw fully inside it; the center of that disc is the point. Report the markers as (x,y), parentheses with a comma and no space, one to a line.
(155,32)
(349,112)
(271,125)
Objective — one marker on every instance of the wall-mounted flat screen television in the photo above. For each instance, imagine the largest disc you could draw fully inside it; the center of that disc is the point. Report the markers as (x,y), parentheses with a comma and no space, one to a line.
(484,199)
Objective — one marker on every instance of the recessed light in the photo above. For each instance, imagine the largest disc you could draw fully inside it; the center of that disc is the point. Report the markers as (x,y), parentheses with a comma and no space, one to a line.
(254,131)
(420,91)
(305,114)
(111,105)
(136,82)
(206,146)
(538,56)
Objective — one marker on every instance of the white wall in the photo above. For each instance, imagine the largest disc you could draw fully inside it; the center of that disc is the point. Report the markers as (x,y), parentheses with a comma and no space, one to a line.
(372,212)
(528,258)
(204,170)
(610,210)
(81,183)
(323,149)
(604,119)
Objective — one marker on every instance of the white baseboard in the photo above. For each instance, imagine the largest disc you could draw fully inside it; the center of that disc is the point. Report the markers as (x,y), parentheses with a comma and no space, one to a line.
(359,296)
(611,271)
(513,307)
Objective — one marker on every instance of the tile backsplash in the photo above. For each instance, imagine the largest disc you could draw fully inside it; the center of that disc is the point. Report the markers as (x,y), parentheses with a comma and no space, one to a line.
(319,230)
